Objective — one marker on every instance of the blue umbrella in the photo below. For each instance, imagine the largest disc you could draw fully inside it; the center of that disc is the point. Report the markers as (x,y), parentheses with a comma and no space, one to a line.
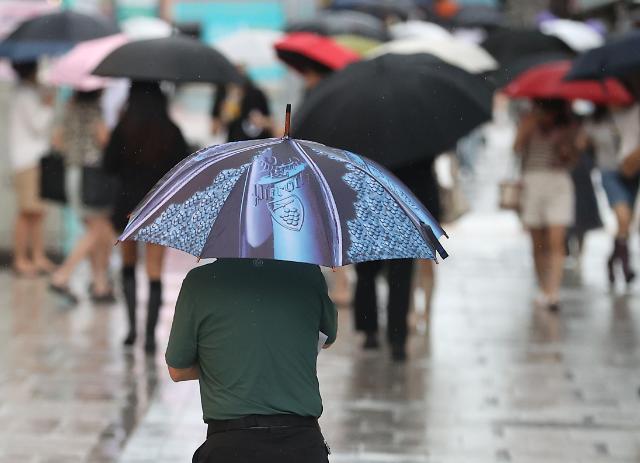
(285,199)
(617,58)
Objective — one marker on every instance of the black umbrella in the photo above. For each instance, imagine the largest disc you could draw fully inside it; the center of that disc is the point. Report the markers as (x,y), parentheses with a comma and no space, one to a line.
(511,70)
(53,34)
(619,57)
(380,8)
(509,45)
(343,23)
(482,16)
(395,109)
(175,58)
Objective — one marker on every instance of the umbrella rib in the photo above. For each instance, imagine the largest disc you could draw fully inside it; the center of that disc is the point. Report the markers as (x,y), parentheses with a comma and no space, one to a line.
(172,191)
(326,192)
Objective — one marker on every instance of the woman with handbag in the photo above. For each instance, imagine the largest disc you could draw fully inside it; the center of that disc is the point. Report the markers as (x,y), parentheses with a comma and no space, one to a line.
(144,145)
(81,138)
(546,141)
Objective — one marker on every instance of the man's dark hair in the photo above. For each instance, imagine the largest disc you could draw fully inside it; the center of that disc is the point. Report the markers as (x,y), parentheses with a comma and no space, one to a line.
(26,70)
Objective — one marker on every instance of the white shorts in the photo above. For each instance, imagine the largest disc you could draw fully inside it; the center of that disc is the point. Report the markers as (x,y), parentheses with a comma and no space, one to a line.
(548,199)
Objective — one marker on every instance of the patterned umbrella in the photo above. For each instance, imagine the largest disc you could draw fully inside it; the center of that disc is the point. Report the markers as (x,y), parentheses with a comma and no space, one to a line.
(285,199)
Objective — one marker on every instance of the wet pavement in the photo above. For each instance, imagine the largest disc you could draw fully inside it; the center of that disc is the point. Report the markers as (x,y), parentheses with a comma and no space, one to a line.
(492,379)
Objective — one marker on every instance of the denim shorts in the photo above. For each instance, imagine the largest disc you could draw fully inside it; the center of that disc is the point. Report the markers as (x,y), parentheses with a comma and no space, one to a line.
(619,189)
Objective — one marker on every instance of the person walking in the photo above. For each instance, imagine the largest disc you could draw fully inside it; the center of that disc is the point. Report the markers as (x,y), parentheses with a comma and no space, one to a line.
(604,131)
(546,141)
(29,133)
(420,178)
(81,138)
(144,145)
(242,110)
(249,331)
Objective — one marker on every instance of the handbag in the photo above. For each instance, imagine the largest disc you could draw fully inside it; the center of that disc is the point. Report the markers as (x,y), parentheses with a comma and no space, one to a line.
(98,187)
(453,202)
(510,189)
(53,177)
(630,165)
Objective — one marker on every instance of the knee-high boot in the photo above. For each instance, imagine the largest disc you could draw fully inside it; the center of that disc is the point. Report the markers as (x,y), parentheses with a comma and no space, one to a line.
(153,311)
(129,290)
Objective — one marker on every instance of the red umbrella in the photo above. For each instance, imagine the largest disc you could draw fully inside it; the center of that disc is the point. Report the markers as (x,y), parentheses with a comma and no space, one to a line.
(547,81)
(303,49)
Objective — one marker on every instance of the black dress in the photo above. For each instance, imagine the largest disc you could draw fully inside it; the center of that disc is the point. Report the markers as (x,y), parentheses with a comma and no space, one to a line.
(136,174)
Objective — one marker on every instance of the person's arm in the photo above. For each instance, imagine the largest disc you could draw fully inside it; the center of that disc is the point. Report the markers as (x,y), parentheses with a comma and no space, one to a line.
(216,110)
(182,350)
(525,131)
(329,314)
(101,133)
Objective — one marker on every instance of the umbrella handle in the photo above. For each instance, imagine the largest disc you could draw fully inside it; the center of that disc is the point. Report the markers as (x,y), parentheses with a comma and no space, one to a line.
(287,121)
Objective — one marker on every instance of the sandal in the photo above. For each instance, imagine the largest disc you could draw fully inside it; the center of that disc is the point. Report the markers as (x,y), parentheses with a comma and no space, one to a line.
(65,292)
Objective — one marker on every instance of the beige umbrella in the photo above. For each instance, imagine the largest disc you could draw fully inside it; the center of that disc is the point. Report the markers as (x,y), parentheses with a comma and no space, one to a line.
(457,52)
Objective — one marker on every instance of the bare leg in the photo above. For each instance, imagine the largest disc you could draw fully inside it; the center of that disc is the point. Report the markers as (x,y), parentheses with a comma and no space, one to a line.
(623,217)
(40,259)
(21,262)
(82,249)
(556,236)
(540,255)
(100,257)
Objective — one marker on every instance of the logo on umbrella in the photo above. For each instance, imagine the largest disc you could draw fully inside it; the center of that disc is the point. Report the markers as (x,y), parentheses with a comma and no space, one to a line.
(277,186)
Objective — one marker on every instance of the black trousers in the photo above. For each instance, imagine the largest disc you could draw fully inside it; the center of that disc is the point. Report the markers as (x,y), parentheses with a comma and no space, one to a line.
(277,444)
(398,273)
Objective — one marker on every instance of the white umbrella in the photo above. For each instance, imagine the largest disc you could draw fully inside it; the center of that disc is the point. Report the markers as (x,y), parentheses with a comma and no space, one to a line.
(577,35)
(250,47)
(418,29)
(146,27)
(457,52)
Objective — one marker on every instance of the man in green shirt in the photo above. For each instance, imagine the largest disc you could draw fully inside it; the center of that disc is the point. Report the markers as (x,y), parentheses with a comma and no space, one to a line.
(249,331)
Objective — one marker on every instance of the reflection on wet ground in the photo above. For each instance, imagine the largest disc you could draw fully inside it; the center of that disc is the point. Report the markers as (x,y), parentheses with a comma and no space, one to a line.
(495,379)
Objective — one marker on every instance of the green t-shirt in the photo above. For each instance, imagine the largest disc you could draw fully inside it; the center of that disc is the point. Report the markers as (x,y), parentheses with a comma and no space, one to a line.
(252,327)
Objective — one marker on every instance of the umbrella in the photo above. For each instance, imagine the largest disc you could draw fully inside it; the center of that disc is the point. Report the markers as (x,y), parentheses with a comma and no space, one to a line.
(511,70)
(547,82)
(482,16)
(465,55)
(74,68)
(418,29)
(146,27)
(510,45)
(395,109)
(53,34)
(577,35)
(356,43)
(343,22)
(175,58)
(299,47)
(250,47)
(380,8)
(619,57)
(285,199)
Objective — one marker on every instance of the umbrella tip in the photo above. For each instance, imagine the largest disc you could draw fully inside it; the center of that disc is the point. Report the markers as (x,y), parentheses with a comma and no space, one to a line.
(287,121)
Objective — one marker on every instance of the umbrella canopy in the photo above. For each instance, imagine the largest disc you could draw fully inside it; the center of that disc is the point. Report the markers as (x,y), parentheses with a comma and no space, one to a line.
(395,109)
(175,58)
(285,199)
(465,55)
(619,57)
(512,69)
(418,29)
(547,82)
(52,34)
(380,8)
(250,47)
(300,47)
(343,22)
(482,16)
(577,35)
(510,45)
(75,67)
(146,27)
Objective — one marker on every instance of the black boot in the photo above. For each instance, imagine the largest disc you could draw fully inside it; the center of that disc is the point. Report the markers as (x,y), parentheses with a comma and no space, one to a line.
(153,310)
(623,255)
(129,290)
